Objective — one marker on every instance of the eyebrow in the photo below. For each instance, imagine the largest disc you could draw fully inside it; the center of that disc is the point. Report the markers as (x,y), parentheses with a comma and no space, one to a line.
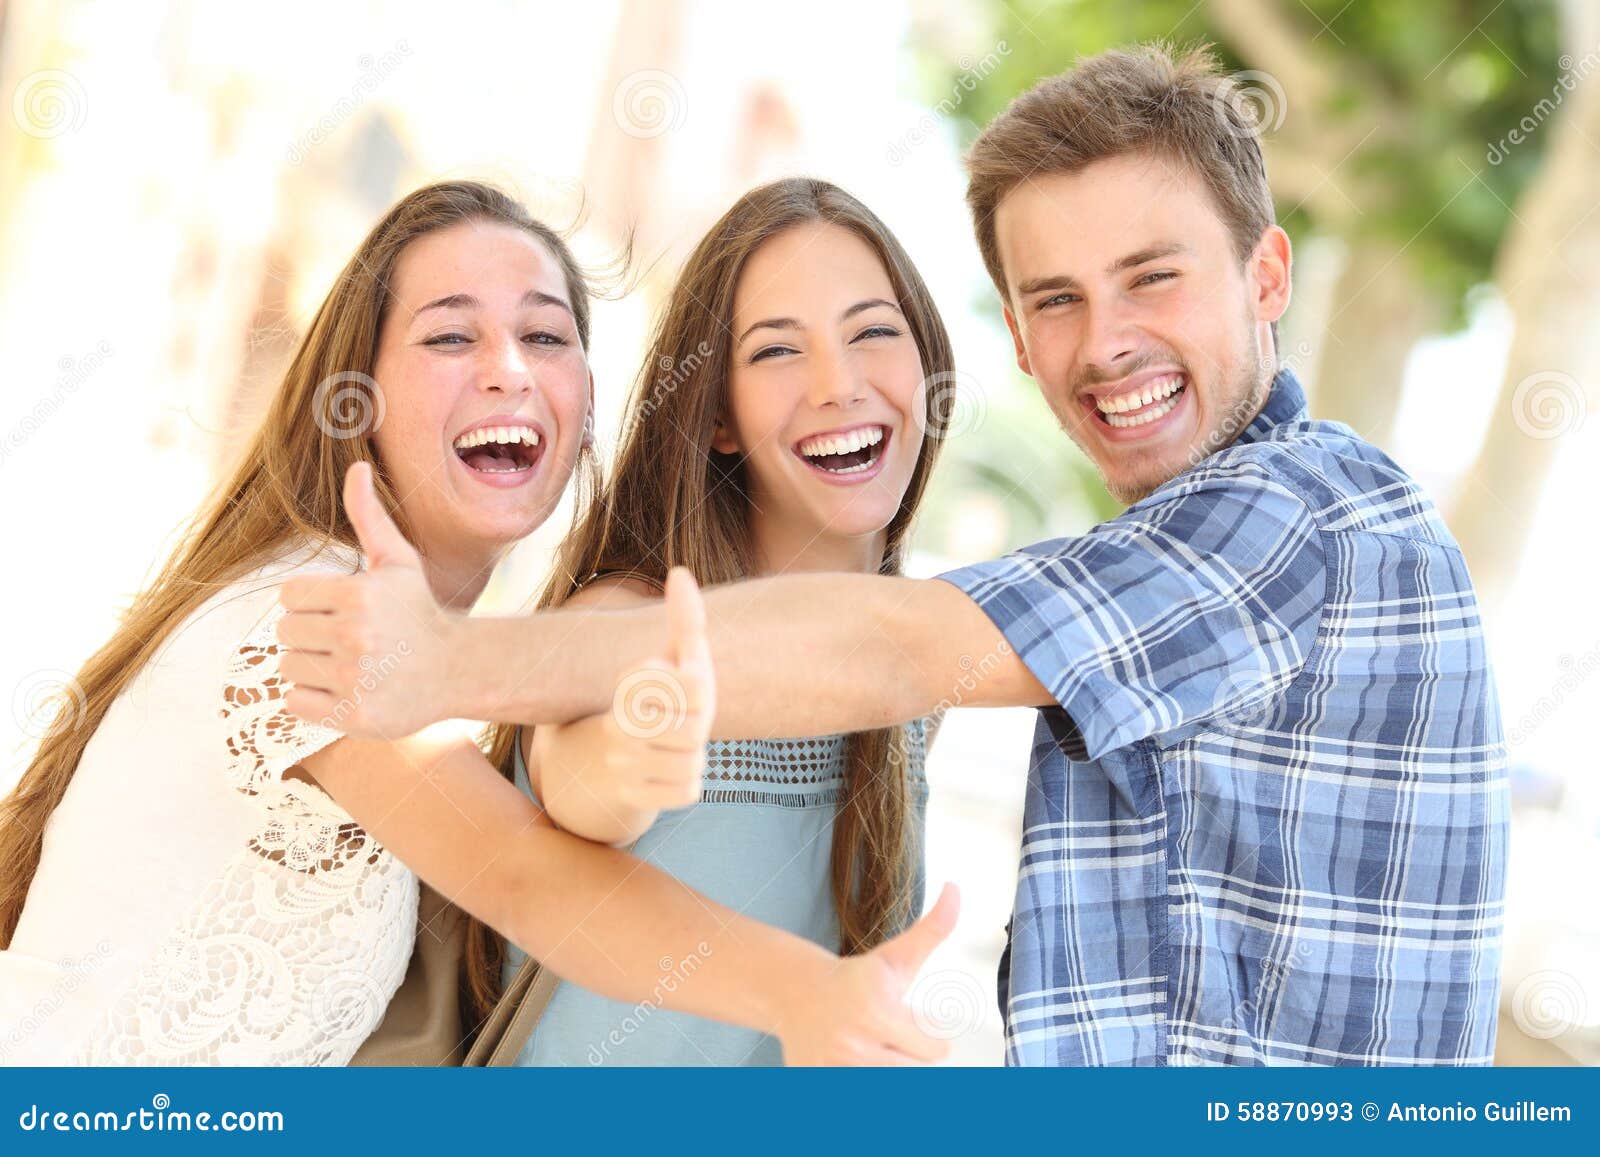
(467,301)
(1138,257)
(791,323)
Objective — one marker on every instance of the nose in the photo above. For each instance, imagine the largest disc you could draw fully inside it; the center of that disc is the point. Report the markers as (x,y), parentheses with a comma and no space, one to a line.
(835,381)
(506,369)
(1110,340)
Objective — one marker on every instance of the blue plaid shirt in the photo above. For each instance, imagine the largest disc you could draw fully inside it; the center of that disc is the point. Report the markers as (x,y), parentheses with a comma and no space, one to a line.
(1266,822)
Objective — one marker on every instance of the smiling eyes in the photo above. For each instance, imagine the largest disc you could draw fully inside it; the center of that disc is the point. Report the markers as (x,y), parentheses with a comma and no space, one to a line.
(541,338)
(1148,279)
(767,353)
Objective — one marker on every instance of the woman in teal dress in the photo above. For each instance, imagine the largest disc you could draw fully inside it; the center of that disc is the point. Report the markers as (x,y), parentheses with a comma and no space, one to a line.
(786,419)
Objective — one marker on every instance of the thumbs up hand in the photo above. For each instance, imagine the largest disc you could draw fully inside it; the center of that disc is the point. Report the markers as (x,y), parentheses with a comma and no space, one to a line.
(857,1013)
(368,652)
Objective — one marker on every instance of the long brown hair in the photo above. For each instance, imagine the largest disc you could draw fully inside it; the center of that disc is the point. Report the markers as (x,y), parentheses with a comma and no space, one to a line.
(671,501)
(285,491)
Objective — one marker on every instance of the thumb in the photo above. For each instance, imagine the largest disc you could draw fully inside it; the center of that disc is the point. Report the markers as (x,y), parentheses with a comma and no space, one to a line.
(381,539)
(909,950)
(686,621)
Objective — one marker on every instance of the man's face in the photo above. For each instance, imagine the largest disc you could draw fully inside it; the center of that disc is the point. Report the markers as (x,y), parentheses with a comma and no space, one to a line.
(1128,304)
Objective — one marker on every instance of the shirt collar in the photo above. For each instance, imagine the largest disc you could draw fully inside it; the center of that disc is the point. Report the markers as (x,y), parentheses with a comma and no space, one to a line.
(1286,403)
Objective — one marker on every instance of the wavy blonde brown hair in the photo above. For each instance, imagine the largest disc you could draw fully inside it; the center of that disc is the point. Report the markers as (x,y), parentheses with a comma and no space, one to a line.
(671,501)
(285,492)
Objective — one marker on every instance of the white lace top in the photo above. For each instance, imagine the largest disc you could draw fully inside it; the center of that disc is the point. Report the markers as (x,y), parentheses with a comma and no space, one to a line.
(192,906)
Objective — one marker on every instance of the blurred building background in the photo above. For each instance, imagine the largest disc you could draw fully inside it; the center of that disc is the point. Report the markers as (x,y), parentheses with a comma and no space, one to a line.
(180,182)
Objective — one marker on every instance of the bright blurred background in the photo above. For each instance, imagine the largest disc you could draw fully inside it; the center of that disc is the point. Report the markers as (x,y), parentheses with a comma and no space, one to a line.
(180,183)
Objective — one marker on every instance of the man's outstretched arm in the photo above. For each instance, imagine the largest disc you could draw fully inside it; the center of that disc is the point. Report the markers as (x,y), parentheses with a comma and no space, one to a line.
(810,654)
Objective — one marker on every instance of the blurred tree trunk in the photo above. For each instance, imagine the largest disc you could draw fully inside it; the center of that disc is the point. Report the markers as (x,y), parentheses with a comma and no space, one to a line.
(1380,312)
(1549,272)
(1379,308)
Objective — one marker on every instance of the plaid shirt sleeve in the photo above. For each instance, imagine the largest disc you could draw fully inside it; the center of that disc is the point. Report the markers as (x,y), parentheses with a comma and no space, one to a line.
(1201,600)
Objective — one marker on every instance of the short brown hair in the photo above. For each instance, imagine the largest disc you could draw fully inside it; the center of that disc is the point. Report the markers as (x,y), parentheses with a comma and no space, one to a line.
(1142,99)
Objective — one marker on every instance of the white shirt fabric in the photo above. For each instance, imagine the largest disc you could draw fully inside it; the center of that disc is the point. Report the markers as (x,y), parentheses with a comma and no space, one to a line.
(192,906)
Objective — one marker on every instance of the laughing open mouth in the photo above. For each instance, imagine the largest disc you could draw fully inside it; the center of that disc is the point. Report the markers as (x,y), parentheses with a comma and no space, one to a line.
(1157,399)
(499,449)
(852,452)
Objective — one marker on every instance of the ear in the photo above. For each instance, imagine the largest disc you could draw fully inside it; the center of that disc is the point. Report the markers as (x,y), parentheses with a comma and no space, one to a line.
(1016,340)
(588,416)
(1270,271)
(722,438)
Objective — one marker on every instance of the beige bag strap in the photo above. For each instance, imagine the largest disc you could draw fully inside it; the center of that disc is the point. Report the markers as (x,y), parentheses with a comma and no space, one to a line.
(512,1022)
(516,1015)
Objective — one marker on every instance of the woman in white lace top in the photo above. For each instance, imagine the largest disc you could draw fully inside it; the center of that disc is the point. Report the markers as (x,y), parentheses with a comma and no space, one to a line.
(189,874)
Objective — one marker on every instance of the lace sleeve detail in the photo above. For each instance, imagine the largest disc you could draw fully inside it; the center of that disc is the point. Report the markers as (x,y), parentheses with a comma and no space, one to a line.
(264,738)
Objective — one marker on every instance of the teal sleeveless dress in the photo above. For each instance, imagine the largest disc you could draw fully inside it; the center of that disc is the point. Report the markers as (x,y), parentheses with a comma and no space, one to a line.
(759,841)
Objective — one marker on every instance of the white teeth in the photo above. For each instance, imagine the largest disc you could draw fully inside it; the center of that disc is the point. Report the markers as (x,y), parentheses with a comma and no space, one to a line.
(1123,421)
(1153,392)
(842,443)
(500,435)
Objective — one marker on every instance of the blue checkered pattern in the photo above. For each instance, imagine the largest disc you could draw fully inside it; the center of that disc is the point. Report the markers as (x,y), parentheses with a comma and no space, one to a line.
(1266,822)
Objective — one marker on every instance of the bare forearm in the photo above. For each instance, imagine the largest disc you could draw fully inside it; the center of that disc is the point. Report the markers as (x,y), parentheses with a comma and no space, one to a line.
(794,655)
(622,929)
(567,758)
(593,914)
